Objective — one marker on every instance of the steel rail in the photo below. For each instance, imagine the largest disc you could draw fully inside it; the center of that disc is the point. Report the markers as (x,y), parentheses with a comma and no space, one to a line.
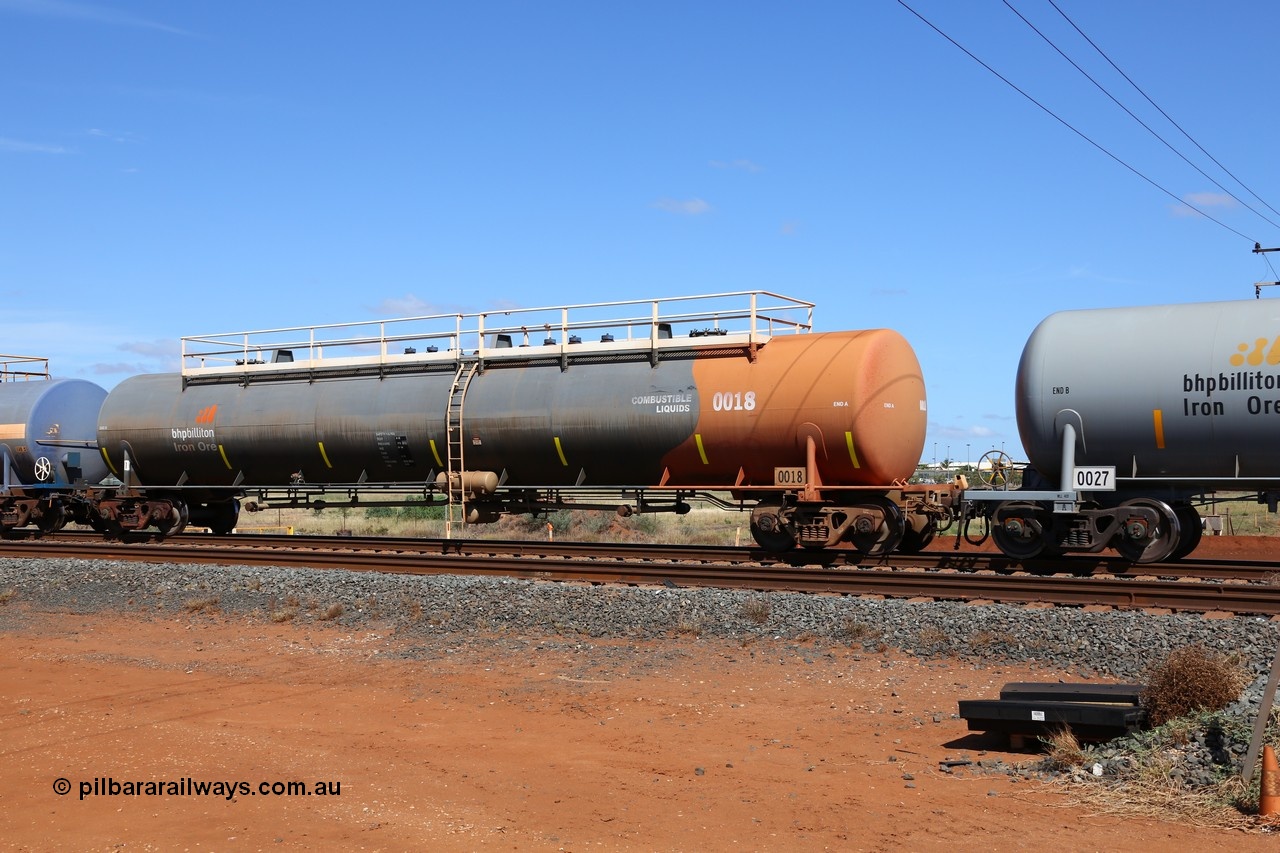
(941,556)
(1017,588)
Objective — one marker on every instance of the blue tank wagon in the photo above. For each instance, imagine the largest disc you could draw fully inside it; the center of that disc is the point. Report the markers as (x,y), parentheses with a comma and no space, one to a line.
(48,452)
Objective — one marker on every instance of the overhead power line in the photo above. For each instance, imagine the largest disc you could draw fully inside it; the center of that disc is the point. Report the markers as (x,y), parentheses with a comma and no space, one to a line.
(1131,114)
(1166,115)
(1068,125)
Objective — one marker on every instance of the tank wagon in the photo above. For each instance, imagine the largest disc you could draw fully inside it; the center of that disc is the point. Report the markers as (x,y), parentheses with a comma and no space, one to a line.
(48,453)
(1131,417)
(636,406)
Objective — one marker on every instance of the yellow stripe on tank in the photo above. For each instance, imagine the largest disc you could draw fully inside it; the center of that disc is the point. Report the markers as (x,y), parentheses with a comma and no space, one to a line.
(323,455)
(1158,416)
(697,436)
(560,453)
(222,451)
(848,440)
(436,453)
(107,459)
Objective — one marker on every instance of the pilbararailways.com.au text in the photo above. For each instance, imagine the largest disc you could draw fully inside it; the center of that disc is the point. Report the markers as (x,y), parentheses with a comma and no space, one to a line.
(106,786)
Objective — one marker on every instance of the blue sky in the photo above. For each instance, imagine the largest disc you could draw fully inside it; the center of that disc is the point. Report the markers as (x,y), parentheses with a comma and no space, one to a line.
(171,169)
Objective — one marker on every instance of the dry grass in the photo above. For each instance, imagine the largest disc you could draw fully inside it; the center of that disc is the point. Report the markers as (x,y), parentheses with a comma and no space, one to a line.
(413,609)
(1189,680)
(688,627)
(1245,518)
(852,631)
(988,640)
(208,605)
(1063,750)
(757,610)
(701,526)
(8,595)
(1151,797)
(1147,776)
(931,636)
(284,614)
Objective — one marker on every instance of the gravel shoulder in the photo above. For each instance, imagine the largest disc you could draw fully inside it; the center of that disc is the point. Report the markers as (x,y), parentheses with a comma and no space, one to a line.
(466,714)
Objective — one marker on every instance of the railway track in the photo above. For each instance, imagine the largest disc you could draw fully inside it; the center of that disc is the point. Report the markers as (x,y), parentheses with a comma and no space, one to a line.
(942,556)
(1192,586)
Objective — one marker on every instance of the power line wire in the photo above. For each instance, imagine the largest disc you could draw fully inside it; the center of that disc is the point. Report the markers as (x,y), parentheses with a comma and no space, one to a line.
(1068,125)
(1166,115)
(1131,114)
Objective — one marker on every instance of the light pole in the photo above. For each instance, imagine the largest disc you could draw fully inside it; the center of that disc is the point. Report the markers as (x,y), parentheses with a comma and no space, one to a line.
(935,454)
(966,454)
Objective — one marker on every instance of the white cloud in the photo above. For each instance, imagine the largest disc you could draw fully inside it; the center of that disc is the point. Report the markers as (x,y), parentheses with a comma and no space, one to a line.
(152,349)
(1195,202)
(110,135)
(1084,273)
(960,432)
(85,12)
(123,368)
(1209,199)
(740,164)
(685,207)
(17,146)
(407,306)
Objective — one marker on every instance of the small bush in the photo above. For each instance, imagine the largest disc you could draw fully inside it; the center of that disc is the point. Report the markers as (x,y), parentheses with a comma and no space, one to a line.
(757,610)
(933,637)
(284,615)
(645,525)
(413,608)
(853,631)
(1191,679)
(688,627)
(983,641)
(202,605)
(413,511)
(1063,750)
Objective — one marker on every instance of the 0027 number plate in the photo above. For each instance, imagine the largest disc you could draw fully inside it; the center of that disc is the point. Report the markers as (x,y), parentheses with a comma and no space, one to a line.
(1094,478)
(788,477)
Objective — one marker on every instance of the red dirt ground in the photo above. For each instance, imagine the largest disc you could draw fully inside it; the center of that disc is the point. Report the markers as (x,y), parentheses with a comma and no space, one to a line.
(681,745)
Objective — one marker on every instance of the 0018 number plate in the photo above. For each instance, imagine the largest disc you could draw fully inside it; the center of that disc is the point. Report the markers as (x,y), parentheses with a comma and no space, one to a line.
(788,477)
(1094,478)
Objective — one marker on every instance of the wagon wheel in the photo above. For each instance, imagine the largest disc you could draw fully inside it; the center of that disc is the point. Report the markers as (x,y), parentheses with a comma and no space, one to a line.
(996,471)
(768,530)
(1139,540)
(1019,530)
(177,520)
(224,517)
(919,533)
(884,538)
(53,519)
(1191,528)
